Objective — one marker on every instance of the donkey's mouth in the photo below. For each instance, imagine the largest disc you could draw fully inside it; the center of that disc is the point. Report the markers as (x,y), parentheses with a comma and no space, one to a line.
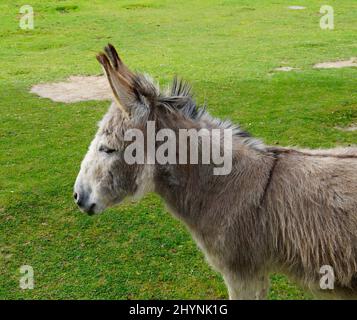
(92,206)
(92,209)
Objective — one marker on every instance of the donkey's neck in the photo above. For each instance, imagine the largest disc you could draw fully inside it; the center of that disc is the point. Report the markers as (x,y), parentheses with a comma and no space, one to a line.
(198,197)
(193,192)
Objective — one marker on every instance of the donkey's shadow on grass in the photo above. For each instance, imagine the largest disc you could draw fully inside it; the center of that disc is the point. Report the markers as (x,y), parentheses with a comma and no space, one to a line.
(277,210)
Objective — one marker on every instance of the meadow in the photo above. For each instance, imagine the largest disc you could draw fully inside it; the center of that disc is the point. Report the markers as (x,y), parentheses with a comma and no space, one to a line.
(228,50)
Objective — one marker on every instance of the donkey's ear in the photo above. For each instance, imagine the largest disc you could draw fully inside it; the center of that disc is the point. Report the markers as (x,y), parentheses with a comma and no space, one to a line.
(118,64)
(120,78)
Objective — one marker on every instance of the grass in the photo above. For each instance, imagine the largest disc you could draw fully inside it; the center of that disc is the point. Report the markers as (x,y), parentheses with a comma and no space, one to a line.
(228,50)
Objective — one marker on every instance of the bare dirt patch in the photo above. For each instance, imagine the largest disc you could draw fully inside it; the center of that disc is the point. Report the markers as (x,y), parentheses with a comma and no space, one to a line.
(285,69)
(350,128)
(297,8)
(75,89)
(337,64)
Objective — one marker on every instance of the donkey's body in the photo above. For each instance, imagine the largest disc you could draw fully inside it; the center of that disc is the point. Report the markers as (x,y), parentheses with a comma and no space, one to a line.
(278,210)
(290,212)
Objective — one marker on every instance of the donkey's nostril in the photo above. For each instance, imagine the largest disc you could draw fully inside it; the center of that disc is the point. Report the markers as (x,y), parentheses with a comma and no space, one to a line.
(78,199)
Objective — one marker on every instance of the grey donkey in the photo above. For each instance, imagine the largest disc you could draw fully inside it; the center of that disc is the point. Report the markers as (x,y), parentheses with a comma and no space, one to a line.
(279,209)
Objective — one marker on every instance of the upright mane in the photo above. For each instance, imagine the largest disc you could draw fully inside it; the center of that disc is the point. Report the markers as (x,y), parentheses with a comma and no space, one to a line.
(178,98)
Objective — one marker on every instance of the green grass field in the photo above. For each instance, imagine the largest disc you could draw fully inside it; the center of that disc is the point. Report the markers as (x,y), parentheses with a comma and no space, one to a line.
(228,50)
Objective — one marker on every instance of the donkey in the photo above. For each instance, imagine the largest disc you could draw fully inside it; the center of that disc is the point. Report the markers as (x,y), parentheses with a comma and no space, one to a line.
(278,210)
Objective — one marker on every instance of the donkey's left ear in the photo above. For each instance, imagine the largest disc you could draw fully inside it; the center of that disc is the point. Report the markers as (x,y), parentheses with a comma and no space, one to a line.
(127,87)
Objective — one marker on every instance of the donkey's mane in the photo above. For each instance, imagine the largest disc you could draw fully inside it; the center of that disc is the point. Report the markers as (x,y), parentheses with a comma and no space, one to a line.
(178,98)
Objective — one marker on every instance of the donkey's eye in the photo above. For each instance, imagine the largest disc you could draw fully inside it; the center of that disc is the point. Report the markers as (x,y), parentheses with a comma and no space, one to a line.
(106,149)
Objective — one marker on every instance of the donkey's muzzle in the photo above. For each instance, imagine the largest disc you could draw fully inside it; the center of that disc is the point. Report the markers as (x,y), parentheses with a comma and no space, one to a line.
(82,201)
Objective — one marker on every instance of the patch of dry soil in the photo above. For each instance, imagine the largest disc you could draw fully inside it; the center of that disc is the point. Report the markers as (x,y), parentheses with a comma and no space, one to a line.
(352,127)
(75,89)
(337,64)
(285,69)
(297,8)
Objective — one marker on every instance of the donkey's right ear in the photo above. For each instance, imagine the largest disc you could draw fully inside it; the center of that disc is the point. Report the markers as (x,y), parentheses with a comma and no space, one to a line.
(120,78)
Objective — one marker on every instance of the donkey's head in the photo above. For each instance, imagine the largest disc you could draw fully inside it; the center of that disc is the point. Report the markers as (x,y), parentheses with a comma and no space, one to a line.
(105,178)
